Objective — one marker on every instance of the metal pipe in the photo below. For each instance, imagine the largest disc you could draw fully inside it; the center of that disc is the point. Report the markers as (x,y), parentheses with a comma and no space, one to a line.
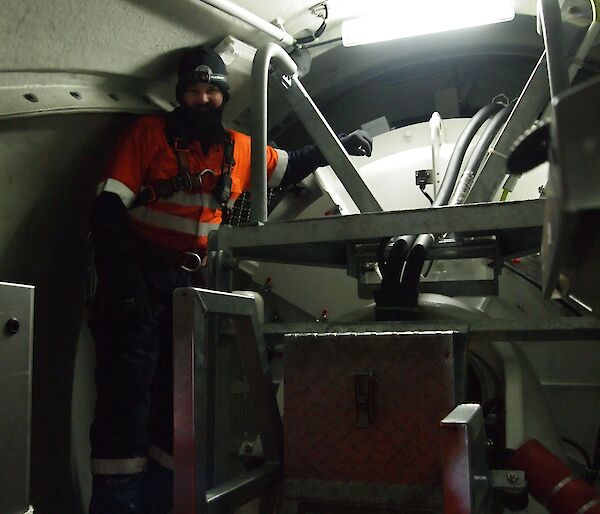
(260,78)
(330,145)
(551,23)
(479,152)
(588,42)
(252,19)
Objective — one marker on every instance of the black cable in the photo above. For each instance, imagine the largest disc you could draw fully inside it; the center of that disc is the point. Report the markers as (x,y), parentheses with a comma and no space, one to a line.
(426,195)
(580,449)
(317,33)
(321,43)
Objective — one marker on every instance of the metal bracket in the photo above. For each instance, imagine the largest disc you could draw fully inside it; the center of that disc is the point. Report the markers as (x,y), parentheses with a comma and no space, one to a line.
(364,383)
(466,477)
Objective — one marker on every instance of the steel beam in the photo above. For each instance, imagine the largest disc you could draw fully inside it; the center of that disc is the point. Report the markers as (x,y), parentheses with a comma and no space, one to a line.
(472,219)
(542,330)
(24,100)
(329,144)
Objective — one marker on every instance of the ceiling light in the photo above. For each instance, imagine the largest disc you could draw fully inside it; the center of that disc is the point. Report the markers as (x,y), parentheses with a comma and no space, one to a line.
(394,19)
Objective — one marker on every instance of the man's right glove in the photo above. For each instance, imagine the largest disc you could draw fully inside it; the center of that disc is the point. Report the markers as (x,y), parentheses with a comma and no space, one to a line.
(358,142)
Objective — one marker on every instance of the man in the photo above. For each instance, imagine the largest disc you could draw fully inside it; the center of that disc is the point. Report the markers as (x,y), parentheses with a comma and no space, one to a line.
(166,186)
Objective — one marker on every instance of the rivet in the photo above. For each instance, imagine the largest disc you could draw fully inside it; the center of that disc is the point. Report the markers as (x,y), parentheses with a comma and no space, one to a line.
(512,477)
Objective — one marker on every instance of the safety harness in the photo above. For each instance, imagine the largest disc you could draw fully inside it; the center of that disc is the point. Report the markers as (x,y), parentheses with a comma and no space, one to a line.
(187,181)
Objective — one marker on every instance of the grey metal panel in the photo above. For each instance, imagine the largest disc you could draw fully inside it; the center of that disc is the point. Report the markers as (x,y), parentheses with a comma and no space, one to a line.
(477,218)
(16,303)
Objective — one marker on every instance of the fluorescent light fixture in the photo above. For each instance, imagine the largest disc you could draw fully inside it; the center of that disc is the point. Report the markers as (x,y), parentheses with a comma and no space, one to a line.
(394,19)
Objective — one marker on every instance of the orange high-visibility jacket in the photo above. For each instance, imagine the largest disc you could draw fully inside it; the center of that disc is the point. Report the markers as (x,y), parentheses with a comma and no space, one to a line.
(183,221)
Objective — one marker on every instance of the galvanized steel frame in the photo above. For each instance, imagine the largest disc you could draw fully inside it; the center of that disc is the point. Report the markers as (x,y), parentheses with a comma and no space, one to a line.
(195,334)
(576,328)
(465,219)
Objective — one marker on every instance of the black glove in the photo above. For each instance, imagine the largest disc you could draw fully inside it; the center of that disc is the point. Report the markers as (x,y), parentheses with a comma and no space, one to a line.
(358,142)
(305,160)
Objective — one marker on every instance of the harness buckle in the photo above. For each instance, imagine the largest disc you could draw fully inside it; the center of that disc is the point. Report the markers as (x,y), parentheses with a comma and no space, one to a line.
(150,192)
(191,262)
(182,182)
(181,146)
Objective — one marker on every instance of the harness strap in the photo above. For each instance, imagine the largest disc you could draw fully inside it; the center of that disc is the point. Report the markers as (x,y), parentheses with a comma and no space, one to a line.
(187,181)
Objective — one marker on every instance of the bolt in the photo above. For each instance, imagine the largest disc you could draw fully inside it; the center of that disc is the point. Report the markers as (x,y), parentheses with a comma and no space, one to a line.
(512,477)
(12,326)
(367,267)
(324,315)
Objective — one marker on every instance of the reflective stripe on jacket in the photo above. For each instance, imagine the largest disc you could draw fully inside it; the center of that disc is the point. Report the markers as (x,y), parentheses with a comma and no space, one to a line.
(183,221)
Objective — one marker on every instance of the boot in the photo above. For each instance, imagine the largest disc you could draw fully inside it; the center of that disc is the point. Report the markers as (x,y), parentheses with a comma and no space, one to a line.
(117,494)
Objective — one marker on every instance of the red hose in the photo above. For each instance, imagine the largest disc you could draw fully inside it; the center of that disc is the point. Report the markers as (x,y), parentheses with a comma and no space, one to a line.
(550,481)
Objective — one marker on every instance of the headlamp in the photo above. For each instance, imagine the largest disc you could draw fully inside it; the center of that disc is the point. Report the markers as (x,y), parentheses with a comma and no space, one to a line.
(202,73)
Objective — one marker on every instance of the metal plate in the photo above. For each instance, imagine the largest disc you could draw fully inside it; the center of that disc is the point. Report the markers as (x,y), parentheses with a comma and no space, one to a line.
(570,243)
(414,377)
(16,303)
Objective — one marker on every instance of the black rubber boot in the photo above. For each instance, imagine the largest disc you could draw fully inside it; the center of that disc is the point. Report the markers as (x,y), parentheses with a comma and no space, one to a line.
(117,494)
(158,489)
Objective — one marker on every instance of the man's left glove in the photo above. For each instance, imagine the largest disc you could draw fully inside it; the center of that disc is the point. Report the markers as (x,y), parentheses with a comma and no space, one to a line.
(358,142)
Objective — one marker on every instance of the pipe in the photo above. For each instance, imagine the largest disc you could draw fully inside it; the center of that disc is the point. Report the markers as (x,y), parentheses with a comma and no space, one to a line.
(556,59)
(588,42)
(252,19)
(260,78)
(479,152)
(550,481)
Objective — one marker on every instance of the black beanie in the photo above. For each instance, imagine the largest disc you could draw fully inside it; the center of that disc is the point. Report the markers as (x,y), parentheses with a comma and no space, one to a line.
(201,64)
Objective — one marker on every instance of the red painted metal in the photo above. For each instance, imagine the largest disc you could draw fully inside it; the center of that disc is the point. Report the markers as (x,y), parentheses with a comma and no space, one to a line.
(413,390)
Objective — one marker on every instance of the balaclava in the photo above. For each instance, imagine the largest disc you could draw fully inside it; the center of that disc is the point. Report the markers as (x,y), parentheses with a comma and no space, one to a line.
(205,66)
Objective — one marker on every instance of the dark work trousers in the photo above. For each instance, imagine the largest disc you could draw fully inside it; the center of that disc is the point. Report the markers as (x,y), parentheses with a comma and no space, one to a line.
(134,382)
